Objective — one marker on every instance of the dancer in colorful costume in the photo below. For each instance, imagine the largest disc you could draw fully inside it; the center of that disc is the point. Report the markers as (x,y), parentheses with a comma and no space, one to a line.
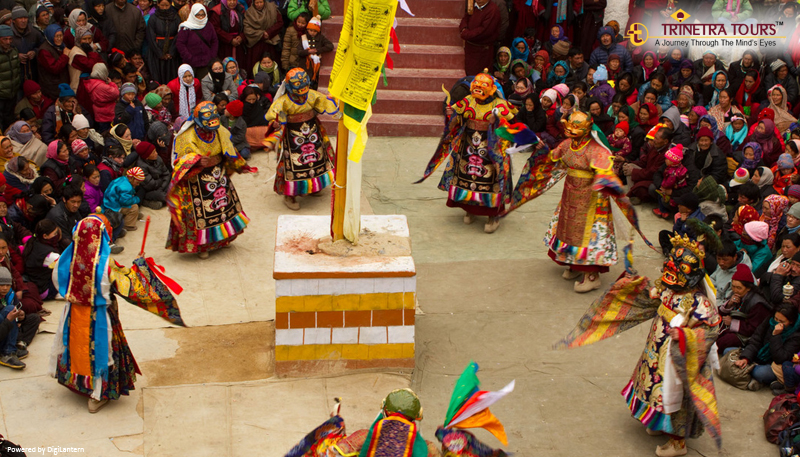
(581,233)
(205,208)
(469,408)
(305,155)
(90,354)
(672,389)
(478,174)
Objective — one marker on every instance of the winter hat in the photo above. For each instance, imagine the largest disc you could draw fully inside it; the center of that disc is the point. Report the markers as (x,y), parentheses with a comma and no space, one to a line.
(614,25)
(689,200)
(776,64)
(80,122)
(675,154)
(5,15)
(743,274)
(144,149)
(785,161)
(30,87)
(127,88)
(561,48)
(757,230)
(235,108)
(83,30)
(623,126)
(551,94)
(18,12)
(5,31)
(738,117)
(614,57)
(314,24)
(78,145)
(562,89)
(699,110)
(63,89)
(687,91)
(601,74)
(685,120)
(138,174)
(705,131)
(5,277)
(740,176)
(653,131)
(152,100)
(794,210)
(605,30)
(793,191)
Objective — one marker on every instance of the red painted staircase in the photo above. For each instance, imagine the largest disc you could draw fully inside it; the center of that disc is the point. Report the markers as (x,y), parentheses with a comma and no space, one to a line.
(431,55)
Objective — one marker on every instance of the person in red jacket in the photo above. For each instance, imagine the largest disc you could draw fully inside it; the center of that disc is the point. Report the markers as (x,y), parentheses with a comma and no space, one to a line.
(104,95)
(479,32)
(651,158)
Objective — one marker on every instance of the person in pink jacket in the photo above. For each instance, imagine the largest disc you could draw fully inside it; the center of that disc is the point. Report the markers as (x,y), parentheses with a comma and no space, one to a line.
(104,95)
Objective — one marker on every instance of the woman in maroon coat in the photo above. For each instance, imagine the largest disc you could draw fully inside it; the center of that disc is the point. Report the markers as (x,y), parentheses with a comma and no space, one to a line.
(78,18)
(197,41)
(743,312)
(227,17)
(53,61)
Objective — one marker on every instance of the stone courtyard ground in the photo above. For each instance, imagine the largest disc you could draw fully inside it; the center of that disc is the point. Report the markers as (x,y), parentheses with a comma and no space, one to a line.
(209,389)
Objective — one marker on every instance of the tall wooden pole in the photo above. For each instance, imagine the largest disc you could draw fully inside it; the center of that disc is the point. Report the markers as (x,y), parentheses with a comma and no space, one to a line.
(340,181)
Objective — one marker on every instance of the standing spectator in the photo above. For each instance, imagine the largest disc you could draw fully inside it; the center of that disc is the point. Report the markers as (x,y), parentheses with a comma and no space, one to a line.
(706,66)
(104,95)
(227,17)
(313,43)
(10,76)
(291,41)
(65,214)
(162,44)
(311,7)
(41,17)
(78,18)
(197,41)
(98,18)
(82,58)
(53,62)
(129,25)
(27,41)
(589,22)
(130,111)
(262,30)
(479,32)
(607,47)
(218,82)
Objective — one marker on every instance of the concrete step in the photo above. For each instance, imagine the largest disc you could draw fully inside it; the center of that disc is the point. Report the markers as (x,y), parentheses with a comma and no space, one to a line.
(402,125)
(410,30)
(405,101)
(421,8)
(418,56)
(411,78)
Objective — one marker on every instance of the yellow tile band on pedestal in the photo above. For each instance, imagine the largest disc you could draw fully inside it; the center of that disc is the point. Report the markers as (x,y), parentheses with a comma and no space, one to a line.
(344,352)
(347,302)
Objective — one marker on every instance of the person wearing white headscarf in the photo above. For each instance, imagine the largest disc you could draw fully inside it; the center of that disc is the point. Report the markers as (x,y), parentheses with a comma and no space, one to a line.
(187,93)
(197,41)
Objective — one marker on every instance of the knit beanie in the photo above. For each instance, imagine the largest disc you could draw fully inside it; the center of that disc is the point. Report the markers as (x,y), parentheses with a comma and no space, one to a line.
(601,74)
(623,126)
(127,88)
(5,277)
(699,110)
(561,48)
(136,173)
(757,230)
(30,87)
(80,122)
(705,131)
(687,91)
(78,145)
(766,113)
(794,210)
(551,94)
(5,15)
(144,149)
(777,64)
(5,31)
(785,161)
(743,274)
(152,99)
(675,154)
(314,24)
(235,108)
(793,191)
(63,89)
(18,12)
(740,176)
(562,89)
(689,200)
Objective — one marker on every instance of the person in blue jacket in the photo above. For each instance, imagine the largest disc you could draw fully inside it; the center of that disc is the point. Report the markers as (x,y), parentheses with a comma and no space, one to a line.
(120,203)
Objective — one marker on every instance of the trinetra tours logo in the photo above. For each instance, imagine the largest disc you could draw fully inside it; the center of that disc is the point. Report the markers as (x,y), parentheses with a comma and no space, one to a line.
(748,33)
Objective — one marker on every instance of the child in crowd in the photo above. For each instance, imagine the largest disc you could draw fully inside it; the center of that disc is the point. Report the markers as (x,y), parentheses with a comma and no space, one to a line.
(155,109)
(674,178)
(784,170)
(238,128)
(621,145)
(311,47)
(120,203)
(153,190)
(92,192)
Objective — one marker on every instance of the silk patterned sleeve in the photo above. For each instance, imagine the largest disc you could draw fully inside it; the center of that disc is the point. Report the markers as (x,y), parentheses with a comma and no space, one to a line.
(601,158)
(461,106)
(505,110)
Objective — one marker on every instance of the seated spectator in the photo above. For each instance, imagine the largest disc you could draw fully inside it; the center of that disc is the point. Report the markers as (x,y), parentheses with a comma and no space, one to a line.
(787,272)
(40,252)
(783,172)
(707,156)
(712,198)
(160,136)
(120,203)
(80,157)
(34,99)
(792,224)
(268,65)
(642,171)
(764,135)
(688,206)
(156,111)
(774,342)
(672,119)
(743,312)
(26,144)
(673,184)
(111,165)
(94,140)
(19,176)
(750,194)
(62,112)
(121,136)
(93,194)
(65,214)
(602,90)
(754,242)
(218,81)
(152,192)
(607,47)
(238,128)
(728,259)
(56,167)
(17,329)
(130,111)
(772,213)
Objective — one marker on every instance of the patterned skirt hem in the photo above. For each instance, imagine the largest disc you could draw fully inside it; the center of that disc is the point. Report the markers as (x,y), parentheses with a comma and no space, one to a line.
(645,412)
